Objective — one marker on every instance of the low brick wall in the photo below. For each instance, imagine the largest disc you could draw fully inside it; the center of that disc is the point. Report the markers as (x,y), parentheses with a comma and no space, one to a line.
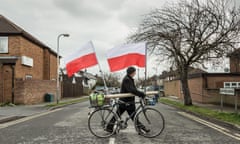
(33,91)
(198,93)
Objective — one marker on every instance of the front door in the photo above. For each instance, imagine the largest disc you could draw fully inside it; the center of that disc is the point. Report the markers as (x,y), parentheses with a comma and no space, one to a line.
(7,83)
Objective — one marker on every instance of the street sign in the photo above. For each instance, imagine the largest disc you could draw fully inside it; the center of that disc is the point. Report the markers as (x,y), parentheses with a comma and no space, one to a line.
(227,91)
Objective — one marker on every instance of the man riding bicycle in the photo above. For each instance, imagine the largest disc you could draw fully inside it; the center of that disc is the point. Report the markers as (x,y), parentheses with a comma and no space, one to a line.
(128,86)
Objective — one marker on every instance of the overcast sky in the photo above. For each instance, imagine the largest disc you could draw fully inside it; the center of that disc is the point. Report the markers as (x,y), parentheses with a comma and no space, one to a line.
(106,22)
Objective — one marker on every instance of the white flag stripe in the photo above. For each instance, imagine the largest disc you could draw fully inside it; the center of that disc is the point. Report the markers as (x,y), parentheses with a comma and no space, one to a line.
(84,50)
(126,49)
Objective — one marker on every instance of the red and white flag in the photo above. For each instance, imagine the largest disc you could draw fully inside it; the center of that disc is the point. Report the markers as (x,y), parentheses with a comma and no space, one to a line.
(123,56)
(82,58)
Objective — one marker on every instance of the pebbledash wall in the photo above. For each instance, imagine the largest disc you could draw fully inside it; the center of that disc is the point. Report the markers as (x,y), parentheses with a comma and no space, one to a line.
(204,87)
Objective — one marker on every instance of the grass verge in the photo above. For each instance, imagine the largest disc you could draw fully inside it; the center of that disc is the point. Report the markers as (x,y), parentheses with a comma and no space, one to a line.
(67,102)
(232,118)
(7,104)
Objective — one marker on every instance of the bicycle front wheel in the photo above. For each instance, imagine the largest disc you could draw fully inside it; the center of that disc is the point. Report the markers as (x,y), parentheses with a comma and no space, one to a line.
(100,120)
(149,122)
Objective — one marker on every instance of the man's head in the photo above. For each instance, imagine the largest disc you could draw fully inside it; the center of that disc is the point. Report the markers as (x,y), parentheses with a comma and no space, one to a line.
(131,71)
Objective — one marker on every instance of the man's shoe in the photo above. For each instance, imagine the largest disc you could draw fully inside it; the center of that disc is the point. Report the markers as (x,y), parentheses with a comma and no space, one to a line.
(109,130)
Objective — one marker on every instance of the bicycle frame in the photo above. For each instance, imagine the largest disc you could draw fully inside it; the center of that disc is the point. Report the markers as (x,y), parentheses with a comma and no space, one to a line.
(115,108)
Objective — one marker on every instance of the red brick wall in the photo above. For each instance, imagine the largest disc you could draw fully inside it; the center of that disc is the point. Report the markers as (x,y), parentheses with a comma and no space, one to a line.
(234,65)
(199,91)
(36,53)
(172,88)
(46,65)
(214,82)
(42,69)
(1,84)
(53,67)
(196,88)
(33,91)
(19,46)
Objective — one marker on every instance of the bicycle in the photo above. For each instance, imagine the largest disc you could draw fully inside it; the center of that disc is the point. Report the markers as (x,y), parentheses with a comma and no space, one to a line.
(100,118)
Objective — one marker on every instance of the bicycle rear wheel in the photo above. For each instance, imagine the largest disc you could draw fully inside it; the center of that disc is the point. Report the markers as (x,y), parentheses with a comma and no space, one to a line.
(99,120)
(149,122)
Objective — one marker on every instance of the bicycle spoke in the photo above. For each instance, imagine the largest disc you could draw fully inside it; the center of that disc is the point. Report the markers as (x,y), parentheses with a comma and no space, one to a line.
(98,122)
(144,112)
(149,122)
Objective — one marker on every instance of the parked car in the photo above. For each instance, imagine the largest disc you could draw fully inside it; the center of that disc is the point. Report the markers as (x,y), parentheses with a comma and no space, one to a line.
(156,88)
(99,89)
(114,90)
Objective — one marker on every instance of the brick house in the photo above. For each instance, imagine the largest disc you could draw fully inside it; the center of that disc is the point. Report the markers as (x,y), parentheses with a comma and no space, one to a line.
(28,68)
(204,87)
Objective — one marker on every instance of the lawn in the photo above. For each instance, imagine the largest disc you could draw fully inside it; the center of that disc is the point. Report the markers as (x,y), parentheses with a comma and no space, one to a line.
(232,118)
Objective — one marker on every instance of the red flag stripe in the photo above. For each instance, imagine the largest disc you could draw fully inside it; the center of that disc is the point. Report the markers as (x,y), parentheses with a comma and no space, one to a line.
(120,62)
(81,63)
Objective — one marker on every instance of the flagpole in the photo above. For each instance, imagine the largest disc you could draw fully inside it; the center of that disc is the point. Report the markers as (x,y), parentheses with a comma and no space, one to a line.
(145,81)
(100,70)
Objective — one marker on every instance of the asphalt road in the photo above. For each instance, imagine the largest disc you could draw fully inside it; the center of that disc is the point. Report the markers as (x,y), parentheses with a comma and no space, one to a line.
(68,125)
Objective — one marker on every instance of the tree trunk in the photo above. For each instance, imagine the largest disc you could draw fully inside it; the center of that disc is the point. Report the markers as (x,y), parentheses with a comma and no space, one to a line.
(185,88)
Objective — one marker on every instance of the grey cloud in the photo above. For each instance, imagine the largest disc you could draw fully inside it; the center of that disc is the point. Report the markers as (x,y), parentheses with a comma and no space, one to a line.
(133,11)
(90,9)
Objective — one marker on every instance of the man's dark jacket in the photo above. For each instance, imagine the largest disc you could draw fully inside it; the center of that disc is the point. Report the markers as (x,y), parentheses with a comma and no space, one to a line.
(128,86)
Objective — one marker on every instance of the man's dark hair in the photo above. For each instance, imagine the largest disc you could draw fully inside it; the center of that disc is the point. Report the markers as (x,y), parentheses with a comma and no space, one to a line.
(131,70)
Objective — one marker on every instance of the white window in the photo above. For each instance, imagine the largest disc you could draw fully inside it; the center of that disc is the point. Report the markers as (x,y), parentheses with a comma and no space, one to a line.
(227,84)
(234,85)
(3,44)
(231,84)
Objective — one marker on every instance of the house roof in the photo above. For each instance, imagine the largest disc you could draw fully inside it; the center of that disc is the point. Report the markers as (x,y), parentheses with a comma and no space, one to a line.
(191,71)
(7,28)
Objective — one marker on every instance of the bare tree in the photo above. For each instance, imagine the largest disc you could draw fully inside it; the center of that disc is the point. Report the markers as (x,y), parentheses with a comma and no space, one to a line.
(112,80)
(190,32)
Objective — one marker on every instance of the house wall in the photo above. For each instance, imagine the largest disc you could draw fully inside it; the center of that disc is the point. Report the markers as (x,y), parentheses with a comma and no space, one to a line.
(33,91)
(172,88)
(44,61)
(53,67)
(196,88)
(234,64)
(35,52)
(203,89)
(44,68)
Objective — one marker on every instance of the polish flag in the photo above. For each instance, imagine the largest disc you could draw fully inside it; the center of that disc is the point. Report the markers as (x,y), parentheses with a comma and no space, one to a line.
(82,58)
(123,56)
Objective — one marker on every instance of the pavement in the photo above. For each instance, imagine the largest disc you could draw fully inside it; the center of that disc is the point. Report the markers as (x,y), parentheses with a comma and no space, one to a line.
(13,112)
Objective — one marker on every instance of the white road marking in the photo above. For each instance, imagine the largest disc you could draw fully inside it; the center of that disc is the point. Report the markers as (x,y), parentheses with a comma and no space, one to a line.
(26,119)
(111,140)
(129,129)
(211,125)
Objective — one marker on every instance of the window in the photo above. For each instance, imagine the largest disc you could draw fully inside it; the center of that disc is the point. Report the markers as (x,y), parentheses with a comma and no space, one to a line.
(28,77)
(234,85)
(227,84)
(3,44)
(231,84)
